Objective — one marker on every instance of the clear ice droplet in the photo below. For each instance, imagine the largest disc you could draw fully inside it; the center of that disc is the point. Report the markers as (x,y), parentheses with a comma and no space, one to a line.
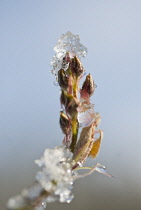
(101,169)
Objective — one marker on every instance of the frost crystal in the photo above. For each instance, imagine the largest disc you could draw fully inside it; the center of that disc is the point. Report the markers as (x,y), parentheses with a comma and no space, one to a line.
(56,176)
(67,43)
(86,114)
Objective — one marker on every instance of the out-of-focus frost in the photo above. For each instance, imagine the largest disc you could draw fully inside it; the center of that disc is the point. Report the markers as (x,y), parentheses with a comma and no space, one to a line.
(56,176)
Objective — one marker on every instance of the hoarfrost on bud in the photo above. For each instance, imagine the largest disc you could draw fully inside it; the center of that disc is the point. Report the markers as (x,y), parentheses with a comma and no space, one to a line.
(86,114)
(56,176)
(86,118)
(67,43)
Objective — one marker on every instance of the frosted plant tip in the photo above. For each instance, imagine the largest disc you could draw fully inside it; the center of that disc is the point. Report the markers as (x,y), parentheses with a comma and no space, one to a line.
(67,43)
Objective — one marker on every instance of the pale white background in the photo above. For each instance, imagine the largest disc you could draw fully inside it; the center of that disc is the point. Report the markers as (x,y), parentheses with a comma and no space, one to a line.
(29,102)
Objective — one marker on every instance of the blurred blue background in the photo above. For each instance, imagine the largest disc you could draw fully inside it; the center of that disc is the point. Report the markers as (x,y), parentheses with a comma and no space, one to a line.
(29,101)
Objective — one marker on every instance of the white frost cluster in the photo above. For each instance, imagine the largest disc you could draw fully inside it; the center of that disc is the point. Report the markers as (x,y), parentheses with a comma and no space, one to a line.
(27,194)
(67,43)
(56,176)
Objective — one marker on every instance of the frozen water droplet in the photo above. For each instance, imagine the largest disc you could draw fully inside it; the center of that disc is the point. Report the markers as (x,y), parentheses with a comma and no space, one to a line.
(56,83)
(101,169)
(44,204)
(80,164)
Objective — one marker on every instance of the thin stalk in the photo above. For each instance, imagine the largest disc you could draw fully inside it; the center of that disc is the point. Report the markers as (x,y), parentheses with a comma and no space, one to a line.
(75,89)
(75,123)
(75,127)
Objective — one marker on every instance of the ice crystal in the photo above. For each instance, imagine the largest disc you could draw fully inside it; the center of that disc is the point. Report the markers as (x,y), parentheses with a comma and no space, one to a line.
(67,43)
(56,176)
(86,114)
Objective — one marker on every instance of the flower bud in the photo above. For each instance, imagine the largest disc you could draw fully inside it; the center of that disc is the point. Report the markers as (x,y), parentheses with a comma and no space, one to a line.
(76,67)
(67,57)
(63,79)
(64,123)
(71,104)
(88,87)
(69,101)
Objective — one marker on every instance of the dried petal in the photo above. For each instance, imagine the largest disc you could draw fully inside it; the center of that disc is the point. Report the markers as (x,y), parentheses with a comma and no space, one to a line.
(97,119)
(84,144)
(96,146)
(83,152)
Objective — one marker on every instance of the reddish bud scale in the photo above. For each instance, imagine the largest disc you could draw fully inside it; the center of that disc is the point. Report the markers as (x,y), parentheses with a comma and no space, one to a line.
(63,79)
(85,143)
(64,123)
(88,87)
(76,67)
